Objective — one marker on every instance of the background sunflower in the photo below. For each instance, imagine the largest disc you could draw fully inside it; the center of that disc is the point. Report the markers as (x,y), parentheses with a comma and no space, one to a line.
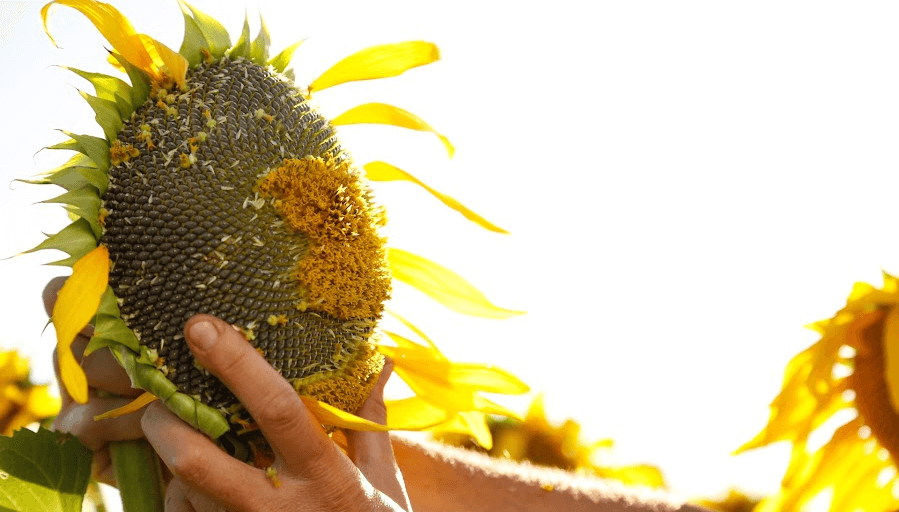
(687,186)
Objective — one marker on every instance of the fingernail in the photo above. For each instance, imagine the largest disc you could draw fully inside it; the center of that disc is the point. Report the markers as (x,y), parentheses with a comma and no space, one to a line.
(203,335)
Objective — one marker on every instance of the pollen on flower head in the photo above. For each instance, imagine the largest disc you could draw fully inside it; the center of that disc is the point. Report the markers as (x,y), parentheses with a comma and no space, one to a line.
(343,271)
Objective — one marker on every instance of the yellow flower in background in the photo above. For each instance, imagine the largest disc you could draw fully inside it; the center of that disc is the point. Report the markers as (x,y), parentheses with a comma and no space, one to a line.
(220,189)
(539,442)
(21,402)
(733,501)
(853,367)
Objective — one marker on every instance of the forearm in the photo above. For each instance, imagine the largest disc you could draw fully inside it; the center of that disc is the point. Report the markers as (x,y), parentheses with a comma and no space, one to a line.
(441,478)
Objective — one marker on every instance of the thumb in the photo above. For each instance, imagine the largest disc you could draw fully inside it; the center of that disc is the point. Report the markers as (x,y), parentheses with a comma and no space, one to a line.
(372,452)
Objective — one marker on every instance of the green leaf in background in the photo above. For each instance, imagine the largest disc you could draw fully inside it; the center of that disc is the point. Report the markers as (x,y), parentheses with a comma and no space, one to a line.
(43,471)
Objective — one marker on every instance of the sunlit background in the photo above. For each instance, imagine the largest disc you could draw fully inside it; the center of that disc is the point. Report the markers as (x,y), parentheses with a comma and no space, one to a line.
(687,184)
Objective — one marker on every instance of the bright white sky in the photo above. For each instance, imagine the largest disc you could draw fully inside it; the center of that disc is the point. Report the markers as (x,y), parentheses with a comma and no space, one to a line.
(687,184)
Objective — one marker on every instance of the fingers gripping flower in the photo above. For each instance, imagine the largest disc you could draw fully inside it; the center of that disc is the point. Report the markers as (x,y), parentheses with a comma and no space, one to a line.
(220,189)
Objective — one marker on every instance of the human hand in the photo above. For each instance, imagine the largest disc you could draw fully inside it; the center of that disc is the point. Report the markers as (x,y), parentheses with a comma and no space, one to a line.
(375,474)
(313,473)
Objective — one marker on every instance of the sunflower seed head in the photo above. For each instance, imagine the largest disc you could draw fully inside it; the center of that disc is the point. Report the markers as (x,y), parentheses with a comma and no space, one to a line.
(190,231)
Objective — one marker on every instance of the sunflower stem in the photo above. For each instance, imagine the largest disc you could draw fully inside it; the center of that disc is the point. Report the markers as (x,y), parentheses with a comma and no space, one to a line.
(139,475)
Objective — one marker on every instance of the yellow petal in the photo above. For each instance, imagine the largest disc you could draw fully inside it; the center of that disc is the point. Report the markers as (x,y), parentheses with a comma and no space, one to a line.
(891,355)
(405,342)
(116,28)
(480,377)
(412,327)
(638,474)
(471,423)
(165,57)
(536,414)
(382,171)
(443,285)
(414,413)
(797,409)
(377,62)
(433,386)
(381,113)
(330,415)
(77,303)
(135,405)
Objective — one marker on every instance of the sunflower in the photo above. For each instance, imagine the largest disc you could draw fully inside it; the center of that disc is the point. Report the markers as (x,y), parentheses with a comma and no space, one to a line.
(852,370)
(219,188)
(539,442)
(733,501)
(21,401)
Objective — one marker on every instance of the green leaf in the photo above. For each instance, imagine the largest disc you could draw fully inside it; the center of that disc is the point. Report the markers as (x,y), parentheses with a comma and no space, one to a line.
(43,471)
(106,87)
(242,47)
(282,60)
(83,202)
(106,113)
(260,46)
(215,34)
(76,240)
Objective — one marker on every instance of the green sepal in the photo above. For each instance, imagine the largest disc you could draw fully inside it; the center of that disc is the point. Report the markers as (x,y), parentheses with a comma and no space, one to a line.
(106,113)
(145,376)
(106,87)
(96,343)
(259,48)
(125,106)
(115,329)
(217,39)
(76,240)
(95,148)
(109,328)
(242,47)
(65,175)
(282,60)
(83,202)
(95,177)
(109,304)
(193,41)
(71,178)
(140,81)
(69,145)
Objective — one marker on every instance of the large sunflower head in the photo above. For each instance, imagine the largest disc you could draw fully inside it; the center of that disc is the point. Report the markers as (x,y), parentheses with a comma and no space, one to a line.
(853,368)
(220,189)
